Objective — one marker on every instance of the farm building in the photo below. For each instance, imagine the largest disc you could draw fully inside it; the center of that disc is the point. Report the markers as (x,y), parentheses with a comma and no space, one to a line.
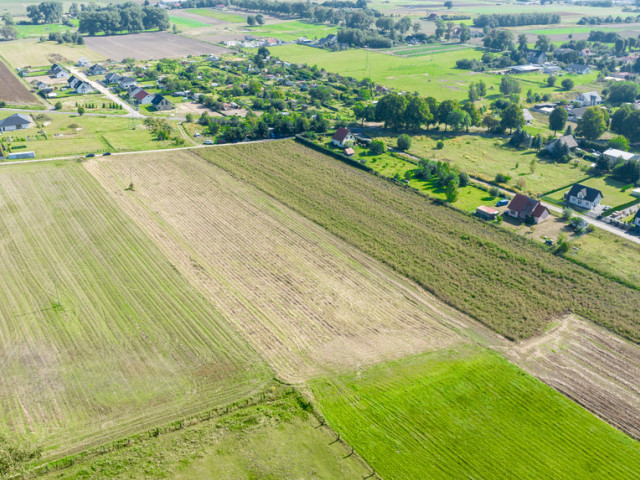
(525,208)
(342,137)
(615,155)
(161,103)
(584,197)
(17,121)
(588,99)
(524,68)
(551,68)
(18,155)
(487,213)
(528,118)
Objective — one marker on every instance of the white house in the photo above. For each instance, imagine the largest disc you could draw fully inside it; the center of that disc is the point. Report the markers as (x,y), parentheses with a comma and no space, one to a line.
(614,155)
(58,72)
(588,99)
(127,82)
(17,121)
(342,137)
(83,87)
(585,197)
(83,62)
(141,96)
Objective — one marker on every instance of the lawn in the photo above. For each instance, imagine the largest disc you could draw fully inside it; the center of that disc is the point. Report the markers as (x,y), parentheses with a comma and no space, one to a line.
(611,189)
(31,52)
(444,250)
(25,31)
(217,14)
(469,413)
(288,31)
(100,336)
(432,74)
(484,156)
(275,439)
(69,135)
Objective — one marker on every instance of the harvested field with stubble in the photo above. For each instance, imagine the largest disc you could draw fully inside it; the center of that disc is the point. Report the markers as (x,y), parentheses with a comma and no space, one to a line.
(507,282)
(100,337)
(307,301)
(12,90)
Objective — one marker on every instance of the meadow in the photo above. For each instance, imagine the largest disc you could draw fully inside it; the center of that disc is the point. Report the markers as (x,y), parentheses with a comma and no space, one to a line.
(468,413)
(275,439)
(187,22)
(100,336)
(293,30)
(31,52)
(433,74)
(445,251)
(218,15)
(25,31)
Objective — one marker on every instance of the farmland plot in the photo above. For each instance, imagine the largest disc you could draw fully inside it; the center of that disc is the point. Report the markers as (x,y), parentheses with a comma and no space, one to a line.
(12,90)
(304,299)
(99,335)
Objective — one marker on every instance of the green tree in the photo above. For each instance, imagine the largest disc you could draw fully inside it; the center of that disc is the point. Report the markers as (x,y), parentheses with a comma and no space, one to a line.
(512,117)
(543,43)
(523,43)
(558,119)
(446,107)
(58,105)
(448,4)
(417,112)
(481,88)
(567,84)
(473,95)
(80,110)
(465,33)
(474,114)
(404,142)
(251,20)
(8,32)
(619,142)
(509,85)
(390,110)
(260,19)
(551,80)
(360,112)
(532,165)
(377,147)
(592,124)
(440,29)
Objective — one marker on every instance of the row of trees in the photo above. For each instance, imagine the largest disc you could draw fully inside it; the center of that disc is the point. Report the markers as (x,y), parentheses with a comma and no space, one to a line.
(45,12)
(129,17)
(515,20)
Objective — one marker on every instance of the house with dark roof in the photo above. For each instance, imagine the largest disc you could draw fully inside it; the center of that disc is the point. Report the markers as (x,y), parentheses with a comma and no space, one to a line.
(576,114)
(161,103)
(57,71)
(73,81)
(583,196)
(342,137)
(84,87)
(565,140)
(17,121)
(536,56)
(83,62)
(112,78)
(127,82)
(579,69)
(527,209)
(96,69)
(588,99)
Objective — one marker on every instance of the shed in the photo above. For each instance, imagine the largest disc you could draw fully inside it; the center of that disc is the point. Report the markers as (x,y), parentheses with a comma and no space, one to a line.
(487,213)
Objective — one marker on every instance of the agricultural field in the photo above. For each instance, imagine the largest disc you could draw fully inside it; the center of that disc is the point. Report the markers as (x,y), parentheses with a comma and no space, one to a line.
(305,300)
(420,50)
(149,46)
(433,74)
(446,414)
(186,22)
(70,135)
(31,52)
(100,337)
(12,90)
(292,30)
(222,16)
(275,439)
(422,240)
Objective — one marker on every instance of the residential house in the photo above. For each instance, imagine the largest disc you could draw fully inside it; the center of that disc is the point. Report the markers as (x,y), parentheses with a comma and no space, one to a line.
(112,78)
(536,56)
(83,62)
(17,121)
(565,140)
(41,85)
(583,196)
(58,72)
(551,69)
(141,96)
(161,103)
(73,81)
(96,69)
(342,137)
(579,69)
(127,82)
(576,114)
(84,87)
(487,213)
(527,209)
(545,108)
(528,118)
(588,99)
(615,155)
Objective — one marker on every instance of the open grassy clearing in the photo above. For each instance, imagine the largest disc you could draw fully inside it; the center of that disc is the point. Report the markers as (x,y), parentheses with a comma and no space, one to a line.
(468,413)
(430,74)
(31,52)
(25,31)
(276,439)
(185,22)
(307,301)
(484,156)
(218,15)
(293,30)
(130,346)
(73,135)
(447,252)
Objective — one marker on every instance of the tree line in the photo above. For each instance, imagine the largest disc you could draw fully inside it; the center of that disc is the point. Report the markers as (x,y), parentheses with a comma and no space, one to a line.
(127,17)
(515,20)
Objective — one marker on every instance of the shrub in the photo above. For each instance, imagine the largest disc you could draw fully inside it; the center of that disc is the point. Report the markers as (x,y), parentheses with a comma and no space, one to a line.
(377,147)
(567,84)
(404,142)
(494,192)
(440,145)
(567,213)
(502,178)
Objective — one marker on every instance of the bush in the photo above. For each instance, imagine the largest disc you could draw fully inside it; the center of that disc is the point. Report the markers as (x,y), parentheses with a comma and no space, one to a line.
(404,142)
(440,145)
(502,178)
(377,147)
(58,105)
(494,192)
(463,179)
(567,213)
(567,84)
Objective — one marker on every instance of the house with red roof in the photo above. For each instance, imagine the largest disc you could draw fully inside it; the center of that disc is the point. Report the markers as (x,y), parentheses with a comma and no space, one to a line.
(141,96)
(527,209)
(342,138)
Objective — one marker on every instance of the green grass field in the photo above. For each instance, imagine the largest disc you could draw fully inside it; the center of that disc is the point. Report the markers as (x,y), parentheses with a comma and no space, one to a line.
(293,30)
(25,31)
(470,414)
(100,336)
(442,249)
(187,22)
(430,74)
(273,440)
(217,14)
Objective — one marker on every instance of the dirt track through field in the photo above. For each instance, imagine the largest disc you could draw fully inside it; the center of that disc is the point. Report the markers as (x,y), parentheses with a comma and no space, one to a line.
(304,299)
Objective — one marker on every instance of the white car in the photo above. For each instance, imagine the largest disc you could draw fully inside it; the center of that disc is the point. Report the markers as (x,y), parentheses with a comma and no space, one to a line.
(208,142)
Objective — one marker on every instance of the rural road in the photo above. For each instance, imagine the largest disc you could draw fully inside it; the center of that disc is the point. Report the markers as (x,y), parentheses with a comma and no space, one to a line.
(86,114)
(105,91)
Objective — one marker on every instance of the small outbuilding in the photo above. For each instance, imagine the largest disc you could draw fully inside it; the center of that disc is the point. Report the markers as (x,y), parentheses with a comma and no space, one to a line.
(487,213)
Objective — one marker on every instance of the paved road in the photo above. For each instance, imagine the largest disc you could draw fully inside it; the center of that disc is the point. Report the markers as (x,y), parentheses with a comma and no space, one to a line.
(105,91)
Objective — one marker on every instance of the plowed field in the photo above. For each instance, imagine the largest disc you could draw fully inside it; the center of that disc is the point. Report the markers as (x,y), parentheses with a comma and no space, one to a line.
(11,88)
(304,299)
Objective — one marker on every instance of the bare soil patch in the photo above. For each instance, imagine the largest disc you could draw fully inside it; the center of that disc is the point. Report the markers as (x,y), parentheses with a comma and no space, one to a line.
(195,109)
(12,90)
(304,299)
(150,46)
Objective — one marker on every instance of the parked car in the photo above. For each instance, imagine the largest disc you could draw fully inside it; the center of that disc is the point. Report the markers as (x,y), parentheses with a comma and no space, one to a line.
(105,154)
(91,155)
(208,142)
(502,202)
